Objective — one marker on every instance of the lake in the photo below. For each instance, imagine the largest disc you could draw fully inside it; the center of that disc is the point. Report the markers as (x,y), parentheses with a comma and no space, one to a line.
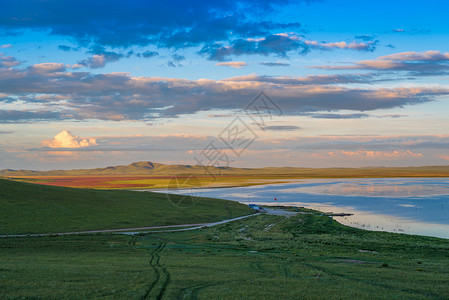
(403,205)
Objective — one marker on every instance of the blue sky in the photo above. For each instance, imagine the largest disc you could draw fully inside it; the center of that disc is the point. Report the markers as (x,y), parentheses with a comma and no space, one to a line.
(87,84)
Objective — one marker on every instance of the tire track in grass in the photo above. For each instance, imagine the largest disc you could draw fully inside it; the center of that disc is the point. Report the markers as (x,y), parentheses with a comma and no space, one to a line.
(165,282)
(192,292)
(323,269)
(159,285)
(156,271)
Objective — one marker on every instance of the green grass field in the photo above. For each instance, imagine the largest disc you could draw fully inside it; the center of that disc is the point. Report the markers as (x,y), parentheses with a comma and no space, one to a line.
(29,208)
(307,256)
(264,257)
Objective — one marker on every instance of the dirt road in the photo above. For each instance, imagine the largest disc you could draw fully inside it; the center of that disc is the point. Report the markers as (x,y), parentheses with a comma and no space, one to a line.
(134,230)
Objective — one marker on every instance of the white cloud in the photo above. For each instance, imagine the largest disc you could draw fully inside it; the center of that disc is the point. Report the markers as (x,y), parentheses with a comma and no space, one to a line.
(65,139)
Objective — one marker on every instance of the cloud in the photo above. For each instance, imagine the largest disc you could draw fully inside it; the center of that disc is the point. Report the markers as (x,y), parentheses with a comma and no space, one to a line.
(221,29)
(378,154)
(412,31)
(275,64)
(65,139)
(8,61)
(176,61)
(23,116)
(366,38)
(444,157)
(6,46)
(121,96)
(100,60)
(170,24)
(338,116)
(418,63)
(45,68)
(148,54)
(233,64)
(281,127)
(308,80)
(66,48)
(364,46)
(279,44)
(178,58)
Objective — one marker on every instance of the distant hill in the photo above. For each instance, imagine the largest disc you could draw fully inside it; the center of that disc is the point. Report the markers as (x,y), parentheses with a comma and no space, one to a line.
(147,168)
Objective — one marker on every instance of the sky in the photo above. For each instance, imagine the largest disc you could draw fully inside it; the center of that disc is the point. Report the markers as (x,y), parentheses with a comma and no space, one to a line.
(246,83)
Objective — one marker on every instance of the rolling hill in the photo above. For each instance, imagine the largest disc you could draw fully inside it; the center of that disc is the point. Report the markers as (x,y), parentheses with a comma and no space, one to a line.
(147,168)
(30,208)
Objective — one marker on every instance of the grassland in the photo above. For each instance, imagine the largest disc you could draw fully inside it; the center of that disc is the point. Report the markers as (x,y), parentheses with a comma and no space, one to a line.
(307,256)
(264,257)
(28,208)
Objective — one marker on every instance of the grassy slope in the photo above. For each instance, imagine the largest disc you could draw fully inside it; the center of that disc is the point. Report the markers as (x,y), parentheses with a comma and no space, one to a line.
(265,257)
(29,208)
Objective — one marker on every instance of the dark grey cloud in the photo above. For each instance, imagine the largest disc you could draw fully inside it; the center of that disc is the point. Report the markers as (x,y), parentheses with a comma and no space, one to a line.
(275,64)
(338,116)
(17,116)
(282,128)
(415,143)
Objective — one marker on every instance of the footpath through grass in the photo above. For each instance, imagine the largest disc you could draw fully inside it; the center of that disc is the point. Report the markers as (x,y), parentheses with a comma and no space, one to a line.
(29,208)
(264,257)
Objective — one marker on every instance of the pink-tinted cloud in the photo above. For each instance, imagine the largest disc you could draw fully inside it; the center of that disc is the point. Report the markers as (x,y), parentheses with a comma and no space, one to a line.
(430,55)
(362,46)
(427,62)
(445,157)
(378,154)
(44,68)
(120,96)
(233,64)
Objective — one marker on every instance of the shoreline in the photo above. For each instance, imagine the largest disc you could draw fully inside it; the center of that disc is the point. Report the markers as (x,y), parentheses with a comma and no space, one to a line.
(372,220)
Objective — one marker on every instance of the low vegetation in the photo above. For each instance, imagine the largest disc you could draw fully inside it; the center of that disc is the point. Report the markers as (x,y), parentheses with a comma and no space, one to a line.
(147,175)
(264,257)
(29,208)
(306,256)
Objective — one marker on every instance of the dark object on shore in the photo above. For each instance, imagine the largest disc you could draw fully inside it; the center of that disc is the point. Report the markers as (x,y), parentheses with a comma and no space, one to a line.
(257,208)
(338,214)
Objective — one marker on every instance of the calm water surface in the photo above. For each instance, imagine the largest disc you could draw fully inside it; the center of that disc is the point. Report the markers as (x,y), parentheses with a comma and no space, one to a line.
(404,205)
